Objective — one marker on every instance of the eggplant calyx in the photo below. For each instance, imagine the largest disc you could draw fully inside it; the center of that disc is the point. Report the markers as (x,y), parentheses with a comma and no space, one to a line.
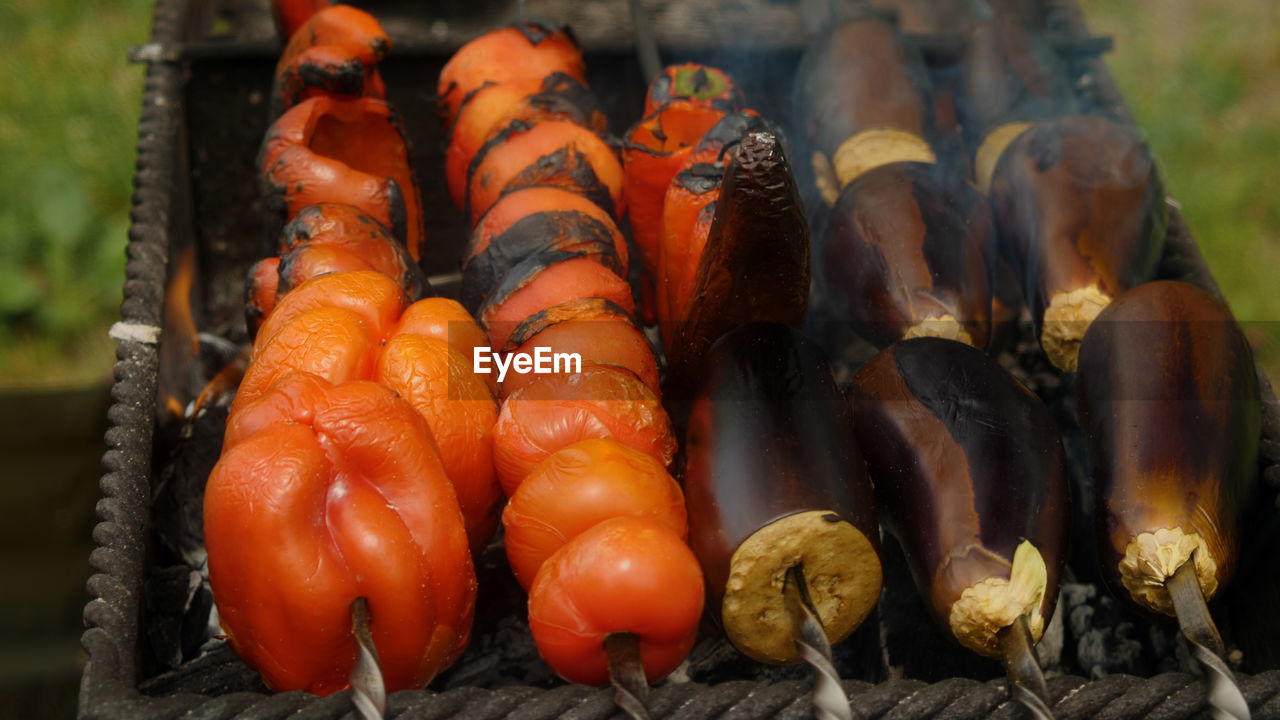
(945,326)
(992,149)
(1065,322)
(994,603)
(1152,558)
(841,570)
(870,149)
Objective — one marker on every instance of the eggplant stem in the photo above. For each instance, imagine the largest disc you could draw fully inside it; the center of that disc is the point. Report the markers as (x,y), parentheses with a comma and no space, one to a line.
(829,699)
(1225,699)
(367,689)
(1022,666)
(626,673)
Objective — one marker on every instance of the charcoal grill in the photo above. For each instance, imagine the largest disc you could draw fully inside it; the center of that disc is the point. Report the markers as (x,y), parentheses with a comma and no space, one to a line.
(204,114)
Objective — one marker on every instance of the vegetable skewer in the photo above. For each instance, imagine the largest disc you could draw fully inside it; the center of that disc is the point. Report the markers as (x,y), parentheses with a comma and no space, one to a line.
(969,468)
(780,508)
(1168,401)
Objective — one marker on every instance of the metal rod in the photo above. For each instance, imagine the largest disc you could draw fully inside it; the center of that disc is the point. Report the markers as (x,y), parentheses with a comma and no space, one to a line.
(1018,652)
(829,699)
(646,43)
(626,673)
(367,689)
(1225,698)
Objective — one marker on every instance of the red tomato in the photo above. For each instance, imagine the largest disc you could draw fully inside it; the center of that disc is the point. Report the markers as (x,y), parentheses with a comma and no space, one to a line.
(580,486)
(626,574)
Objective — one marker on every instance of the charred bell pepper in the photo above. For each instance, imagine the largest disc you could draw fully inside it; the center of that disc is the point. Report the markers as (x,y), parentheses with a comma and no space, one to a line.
(1077,200)
(774,481)
(336,54)
(687,212)
(682,104)
(342,151)
(547,152)
(529,50)
(494,107)
(357,460)
(969,470)
(326,238)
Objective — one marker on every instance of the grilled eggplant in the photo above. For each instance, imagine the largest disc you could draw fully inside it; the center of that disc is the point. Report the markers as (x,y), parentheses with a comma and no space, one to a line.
(1076,199)
(908,248)
(970,475)
(1168,401)
(774,481)
(755,265)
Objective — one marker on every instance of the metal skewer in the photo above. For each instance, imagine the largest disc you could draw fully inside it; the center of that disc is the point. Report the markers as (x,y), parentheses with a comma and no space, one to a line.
(367,689)
(1206,644)
(626,672)
(829,699)
(1022,666)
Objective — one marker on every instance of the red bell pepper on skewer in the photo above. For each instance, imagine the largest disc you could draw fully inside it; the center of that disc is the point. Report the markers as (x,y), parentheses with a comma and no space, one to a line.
(356,462)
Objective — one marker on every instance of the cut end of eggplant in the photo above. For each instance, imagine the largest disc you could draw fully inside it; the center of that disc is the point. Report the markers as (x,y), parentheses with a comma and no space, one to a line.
(1065,322)
(992,149)
(841,570)
(946,327)
(874,148)
(992,604)
(1153,557)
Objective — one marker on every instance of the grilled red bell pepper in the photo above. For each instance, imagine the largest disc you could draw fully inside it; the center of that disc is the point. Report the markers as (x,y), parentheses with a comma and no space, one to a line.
(325,494)
(334,53)
(343,151)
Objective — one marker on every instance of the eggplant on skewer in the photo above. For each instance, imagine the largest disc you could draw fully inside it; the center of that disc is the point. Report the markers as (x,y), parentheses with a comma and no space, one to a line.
(1076,199)
(1169,405)
(781,514)
(907,248)
(755,264)
(970,476)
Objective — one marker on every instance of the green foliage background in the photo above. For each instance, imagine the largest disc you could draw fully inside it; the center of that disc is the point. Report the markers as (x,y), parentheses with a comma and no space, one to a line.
(1202,78)
(68,123)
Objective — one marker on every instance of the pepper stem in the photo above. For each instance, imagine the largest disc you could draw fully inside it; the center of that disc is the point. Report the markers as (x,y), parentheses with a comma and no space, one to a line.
(1018,652)
(829,699)
(367,689)
(1198,628)
(626,672)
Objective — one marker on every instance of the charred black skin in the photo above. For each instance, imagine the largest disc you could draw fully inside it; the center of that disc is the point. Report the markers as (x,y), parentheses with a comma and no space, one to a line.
(530,245)
(580,309)
(959,451)
(297,232)
(755,266)
(1169,406)
(770,437)
(906,241)
(560,168)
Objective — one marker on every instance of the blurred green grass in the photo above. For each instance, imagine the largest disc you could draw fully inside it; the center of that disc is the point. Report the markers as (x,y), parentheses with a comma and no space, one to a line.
(68,125)
(1203,80)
